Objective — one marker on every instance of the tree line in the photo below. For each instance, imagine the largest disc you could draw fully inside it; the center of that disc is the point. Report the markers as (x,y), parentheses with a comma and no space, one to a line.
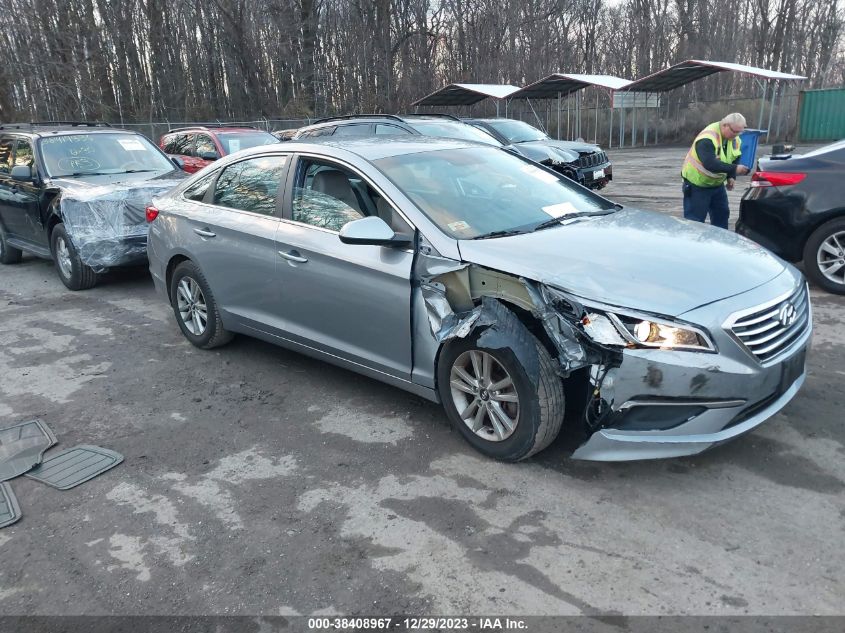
(182,60)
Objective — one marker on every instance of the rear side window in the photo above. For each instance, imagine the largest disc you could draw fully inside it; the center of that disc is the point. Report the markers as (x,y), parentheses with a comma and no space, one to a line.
(251,185)
(6,147)
(197,190)
(382,129)
(178,144)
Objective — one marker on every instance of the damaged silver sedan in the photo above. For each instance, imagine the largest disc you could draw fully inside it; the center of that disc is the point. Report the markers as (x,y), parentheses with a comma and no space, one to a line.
(522,302)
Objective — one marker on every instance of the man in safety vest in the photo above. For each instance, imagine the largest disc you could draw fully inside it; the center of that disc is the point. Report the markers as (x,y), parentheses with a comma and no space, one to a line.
(711,167)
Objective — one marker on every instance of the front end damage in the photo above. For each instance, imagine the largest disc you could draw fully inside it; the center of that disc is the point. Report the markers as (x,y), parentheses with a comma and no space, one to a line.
(624,402)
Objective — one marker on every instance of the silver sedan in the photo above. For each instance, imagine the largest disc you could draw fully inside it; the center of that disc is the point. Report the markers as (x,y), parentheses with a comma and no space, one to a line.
(519,300)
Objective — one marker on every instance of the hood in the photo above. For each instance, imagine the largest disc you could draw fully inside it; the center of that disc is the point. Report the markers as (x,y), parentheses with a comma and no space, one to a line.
(541,151)
(126,181)
(569,146)
(634,259)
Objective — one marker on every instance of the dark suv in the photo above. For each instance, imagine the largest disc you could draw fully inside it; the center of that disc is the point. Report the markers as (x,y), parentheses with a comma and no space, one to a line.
(199,146)
(76,193)
(442,125)
(583,162)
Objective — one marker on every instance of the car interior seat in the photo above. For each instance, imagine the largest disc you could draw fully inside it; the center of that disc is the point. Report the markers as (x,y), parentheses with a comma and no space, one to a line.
(334,183)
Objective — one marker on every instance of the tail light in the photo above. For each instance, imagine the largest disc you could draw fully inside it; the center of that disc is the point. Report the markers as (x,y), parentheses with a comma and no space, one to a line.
(151,212)
(776,178)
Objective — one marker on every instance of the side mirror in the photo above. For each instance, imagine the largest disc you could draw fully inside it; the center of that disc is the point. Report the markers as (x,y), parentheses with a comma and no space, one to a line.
(22,173)
(209,155)
(178,162)
(372,231)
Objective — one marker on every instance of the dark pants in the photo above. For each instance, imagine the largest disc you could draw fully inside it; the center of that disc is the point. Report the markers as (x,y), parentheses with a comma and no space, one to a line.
(699,201)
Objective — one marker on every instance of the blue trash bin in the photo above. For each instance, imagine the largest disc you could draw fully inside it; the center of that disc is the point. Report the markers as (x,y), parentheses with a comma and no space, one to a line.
(749,138)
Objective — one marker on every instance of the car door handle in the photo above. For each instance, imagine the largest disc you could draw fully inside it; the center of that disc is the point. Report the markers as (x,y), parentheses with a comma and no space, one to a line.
(204,233)
(293,256)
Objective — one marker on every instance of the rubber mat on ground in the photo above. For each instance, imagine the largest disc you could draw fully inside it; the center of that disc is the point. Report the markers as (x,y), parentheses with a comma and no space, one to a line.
(22,446)
(74,466)
(9,509)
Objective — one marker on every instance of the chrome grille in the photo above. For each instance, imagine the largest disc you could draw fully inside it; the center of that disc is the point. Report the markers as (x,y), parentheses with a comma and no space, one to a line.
(592,160)
(773,327)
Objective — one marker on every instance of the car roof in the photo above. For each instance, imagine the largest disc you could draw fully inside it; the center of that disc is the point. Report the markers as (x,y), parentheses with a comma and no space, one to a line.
(214,128)
(371,148)
(46,129)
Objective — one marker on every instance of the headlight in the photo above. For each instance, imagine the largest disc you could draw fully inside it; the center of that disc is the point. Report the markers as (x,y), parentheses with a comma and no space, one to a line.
(609,326)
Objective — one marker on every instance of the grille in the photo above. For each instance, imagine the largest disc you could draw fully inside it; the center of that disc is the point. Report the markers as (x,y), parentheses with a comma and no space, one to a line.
(763,332)
(592,160)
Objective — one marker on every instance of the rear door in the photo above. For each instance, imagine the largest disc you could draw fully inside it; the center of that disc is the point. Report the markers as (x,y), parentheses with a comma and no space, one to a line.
(19,200)
(231,235)
(351,301)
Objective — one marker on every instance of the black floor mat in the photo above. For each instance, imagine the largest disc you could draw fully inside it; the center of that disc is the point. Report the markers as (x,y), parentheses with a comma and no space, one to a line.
(9,509)
(74,466)
(22,446)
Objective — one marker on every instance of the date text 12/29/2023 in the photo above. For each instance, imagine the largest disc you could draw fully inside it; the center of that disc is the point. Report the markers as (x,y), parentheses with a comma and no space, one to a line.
(423,623)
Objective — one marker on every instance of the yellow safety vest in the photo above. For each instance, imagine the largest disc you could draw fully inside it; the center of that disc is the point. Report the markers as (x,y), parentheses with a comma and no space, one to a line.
(694,172)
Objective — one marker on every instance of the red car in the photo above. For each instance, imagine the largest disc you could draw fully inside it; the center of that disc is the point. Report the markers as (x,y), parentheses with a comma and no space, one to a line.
(198,146)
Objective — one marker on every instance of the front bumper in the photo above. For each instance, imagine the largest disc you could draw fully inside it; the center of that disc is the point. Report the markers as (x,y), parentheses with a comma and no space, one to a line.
(672,403)
(596,177)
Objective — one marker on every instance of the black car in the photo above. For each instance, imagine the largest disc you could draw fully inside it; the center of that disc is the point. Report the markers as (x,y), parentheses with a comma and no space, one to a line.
(441,125)
(583,162)
(795,207)
(76,193)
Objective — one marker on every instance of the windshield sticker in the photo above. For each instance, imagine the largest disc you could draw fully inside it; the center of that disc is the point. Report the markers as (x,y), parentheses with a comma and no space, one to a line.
(234,145)
(132,145)
(560,210)
(78,164)
(458,226)
(539,174)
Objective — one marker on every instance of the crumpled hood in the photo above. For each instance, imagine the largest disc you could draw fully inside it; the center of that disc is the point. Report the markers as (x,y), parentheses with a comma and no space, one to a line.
(635,259)
(124,181)
(541,151)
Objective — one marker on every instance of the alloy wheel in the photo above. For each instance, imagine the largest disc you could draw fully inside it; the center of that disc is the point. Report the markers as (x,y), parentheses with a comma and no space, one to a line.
(831,257)
(63,258)
(191,305)
(484,395)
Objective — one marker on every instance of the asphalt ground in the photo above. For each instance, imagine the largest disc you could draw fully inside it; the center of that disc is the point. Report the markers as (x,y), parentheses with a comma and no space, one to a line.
(261,482)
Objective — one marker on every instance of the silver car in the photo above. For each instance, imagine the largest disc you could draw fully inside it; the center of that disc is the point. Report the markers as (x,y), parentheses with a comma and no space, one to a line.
(519,300)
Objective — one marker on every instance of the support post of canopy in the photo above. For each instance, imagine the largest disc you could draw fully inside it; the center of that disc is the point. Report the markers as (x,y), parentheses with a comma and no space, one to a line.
(771,110)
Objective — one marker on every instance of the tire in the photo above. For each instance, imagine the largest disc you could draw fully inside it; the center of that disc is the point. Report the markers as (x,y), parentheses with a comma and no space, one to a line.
(8,254)
(824,251)
(511,352)
(73,273)
(189,292)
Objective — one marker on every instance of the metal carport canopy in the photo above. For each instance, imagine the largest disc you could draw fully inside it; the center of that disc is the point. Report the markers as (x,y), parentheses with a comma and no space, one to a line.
(466,94)
(694,69)
(565,84)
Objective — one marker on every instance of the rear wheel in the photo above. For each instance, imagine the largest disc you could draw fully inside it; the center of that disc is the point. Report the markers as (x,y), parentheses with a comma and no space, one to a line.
(195,308)
(8,254)
(824,256)
(73,273)
(500,389)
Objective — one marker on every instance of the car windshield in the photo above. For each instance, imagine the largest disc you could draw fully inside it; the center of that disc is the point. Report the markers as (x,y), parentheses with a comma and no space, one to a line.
(236,141)
(517,131)
(485,192)
(453,129)
(101,154)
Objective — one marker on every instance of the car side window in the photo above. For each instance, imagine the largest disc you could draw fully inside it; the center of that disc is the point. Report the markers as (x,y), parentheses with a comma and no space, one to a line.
(329,196)
(6,147)
(197,190)
(353,130)
(322,131)
(383,129)
(204,144)
(251,185)
(23,153)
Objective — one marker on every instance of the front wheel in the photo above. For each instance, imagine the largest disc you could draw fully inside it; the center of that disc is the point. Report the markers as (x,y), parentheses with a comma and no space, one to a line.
(500,389)
(824,256)
(195,308)
(73,273)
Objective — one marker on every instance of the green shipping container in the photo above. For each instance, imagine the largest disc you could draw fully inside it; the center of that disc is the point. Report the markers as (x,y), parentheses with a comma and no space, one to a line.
(822,115)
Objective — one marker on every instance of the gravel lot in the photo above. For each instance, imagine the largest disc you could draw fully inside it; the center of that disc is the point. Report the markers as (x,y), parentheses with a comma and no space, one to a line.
(259,481)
